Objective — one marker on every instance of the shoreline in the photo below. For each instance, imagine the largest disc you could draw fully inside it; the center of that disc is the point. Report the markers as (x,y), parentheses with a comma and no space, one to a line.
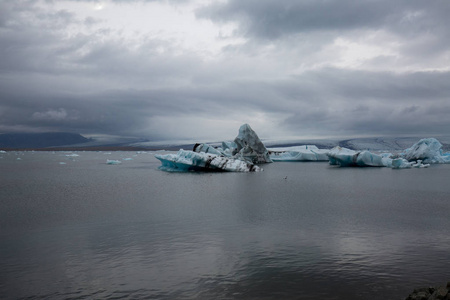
(431,293)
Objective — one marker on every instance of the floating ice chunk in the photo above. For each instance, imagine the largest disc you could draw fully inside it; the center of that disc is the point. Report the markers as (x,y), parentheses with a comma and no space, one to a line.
(299,153)
(127,159)
(2,151)
(429,150)
(347,158)
(193,161)
(401,163)
(113,162)
(72,155)
(419,164)
(249,147)
(62,163)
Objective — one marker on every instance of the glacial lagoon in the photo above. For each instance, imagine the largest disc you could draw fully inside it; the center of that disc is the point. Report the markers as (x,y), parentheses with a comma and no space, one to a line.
(73,226)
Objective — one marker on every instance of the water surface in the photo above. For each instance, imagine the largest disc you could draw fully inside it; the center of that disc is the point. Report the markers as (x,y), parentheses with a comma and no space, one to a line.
(85,229)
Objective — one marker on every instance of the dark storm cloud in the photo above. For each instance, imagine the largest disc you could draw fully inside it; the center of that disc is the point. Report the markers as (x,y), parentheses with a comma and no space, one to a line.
(98,80)
(269,19)
(370,103)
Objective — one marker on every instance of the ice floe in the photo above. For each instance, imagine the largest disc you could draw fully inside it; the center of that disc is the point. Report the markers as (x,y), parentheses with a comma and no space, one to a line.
(113,162)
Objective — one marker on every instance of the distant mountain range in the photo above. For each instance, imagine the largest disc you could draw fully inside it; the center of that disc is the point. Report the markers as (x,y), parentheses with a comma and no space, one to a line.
(40,140)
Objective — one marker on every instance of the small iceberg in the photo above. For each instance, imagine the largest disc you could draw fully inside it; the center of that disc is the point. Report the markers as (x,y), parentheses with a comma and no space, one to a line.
(113,162)
(349,158)
(193,161)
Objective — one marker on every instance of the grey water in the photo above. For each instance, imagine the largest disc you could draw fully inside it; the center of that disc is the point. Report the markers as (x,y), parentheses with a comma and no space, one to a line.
(78,228)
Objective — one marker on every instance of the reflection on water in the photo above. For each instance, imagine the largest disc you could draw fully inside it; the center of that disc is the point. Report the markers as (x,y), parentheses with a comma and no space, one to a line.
(87,229)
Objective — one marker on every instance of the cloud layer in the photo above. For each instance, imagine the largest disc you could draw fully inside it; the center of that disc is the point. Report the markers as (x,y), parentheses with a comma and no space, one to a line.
(198,69)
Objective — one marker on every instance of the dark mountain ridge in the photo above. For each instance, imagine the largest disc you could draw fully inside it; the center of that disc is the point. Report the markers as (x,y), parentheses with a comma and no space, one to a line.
(40,140)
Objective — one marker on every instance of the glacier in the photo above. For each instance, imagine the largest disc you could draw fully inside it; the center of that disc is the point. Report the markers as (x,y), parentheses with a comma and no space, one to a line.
(193,161)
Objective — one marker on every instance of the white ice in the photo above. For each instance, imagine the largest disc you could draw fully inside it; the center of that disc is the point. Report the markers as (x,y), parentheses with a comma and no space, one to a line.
(193,161)
(113,162)
(298,153)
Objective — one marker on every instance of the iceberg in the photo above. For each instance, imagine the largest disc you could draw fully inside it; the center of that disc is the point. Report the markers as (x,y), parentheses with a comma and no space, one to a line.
(427,150)
(298,153)
(246,146)
(249,147)
(113,162)
(420,155)
(349,158)
(192,161)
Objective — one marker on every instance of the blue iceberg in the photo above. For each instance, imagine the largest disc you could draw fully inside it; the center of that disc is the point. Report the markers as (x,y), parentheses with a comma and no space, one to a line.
(349,158)
(420,155)
(428,150)
(192,161)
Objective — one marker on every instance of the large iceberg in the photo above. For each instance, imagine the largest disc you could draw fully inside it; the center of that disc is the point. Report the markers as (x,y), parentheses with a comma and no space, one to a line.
(298,153)
(246,146)
(249,146)
(193,161)
(428,150)
(420,155)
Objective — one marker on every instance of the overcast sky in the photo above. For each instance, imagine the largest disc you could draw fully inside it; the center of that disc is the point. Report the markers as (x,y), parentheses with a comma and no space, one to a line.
(198,69)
